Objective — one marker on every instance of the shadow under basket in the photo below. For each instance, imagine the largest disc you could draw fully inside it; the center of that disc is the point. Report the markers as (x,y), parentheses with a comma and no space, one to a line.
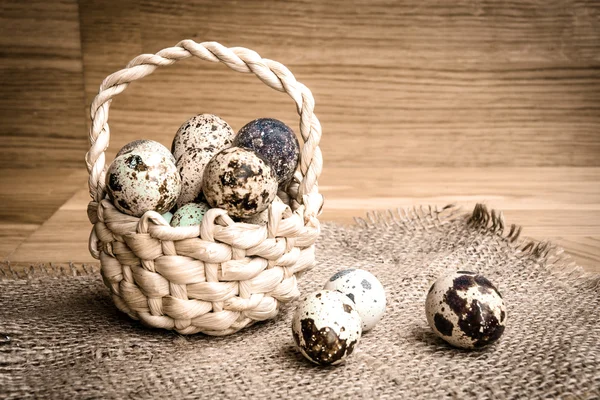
(221,276)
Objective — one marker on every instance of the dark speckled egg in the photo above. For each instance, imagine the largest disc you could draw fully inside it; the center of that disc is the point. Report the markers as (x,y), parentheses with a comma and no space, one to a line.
(466,310)
(326,327)
(204,132)
(239,181)
(140,181)
(275,142)
(146,145)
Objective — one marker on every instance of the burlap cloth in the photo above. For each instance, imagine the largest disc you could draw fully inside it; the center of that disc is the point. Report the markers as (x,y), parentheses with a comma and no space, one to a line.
(63,338)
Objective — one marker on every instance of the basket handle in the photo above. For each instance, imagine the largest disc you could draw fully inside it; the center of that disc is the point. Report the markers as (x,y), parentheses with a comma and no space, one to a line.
(272,73)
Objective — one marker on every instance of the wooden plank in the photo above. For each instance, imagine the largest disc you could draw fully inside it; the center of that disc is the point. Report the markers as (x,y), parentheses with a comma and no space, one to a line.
(573,222)
(12,235)
(28,197)
(32,196)
(63,238)
(41,85)
(585,250)
(406,84)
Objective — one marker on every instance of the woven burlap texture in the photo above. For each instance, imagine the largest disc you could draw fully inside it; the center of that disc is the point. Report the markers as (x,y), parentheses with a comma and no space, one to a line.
(64,338)
(221,276)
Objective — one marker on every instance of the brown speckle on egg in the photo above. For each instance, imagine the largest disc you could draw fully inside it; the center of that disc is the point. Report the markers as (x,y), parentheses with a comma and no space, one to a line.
(326,328)
(190,214)
(191,167)
(146,146)
(236,180)
(204,132)
(324,346)
(466,310)
(141,181)
(444,326)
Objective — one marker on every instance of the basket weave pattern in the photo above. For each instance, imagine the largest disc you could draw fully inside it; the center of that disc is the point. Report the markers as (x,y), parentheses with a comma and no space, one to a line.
(221,276)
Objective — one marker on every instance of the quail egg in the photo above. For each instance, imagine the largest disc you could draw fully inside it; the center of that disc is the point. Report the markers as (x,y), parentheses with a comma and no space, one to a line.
(239,181)
(466,310)
(139,181)
(189,214)
(168,216)
(148,146)
(364,290)
(275,142)
(326,327)
(205,132)
(191,167)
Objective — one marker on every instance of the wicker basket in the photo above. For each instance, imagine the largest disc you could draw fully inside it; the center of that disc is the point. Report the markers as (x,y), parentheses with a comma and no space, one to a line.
(221,276)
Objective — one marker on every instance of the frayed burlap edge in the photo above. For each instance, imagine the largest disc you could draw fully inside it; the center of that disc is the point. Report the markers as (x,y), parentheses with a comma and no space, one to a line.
(487,221)
(482,219)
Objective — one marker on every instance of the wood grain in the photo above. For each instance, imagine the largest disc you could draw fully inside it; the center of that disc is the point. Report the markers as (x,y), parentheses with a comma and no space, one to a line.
(42,125)
(396,83)
(41,85)
(28,197)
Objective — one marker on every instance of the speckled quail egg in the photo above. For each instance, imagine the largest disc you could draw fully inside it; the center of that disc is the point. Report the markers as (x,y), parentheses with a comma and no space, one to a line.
(146,145)
(205,132)
(191,167)
(364,290)
(466,310)
(190,214)
(139,181)
(168,216)
(326,327)
(239,181)
(275,142)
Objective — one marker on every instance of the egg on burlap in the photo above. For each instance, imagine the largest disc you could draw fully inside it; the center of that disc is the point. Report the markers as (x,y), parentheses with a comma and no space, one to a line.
(326,327)
(275,142)
(146,145)
(140,181)
(466,310)
(189,214)
(365,290)
(204,132)
(240,182)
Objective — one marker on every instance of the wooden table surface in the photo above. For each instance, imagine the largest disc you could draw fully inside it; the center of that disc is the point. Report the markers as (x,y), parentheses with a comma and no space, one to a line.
(421,102)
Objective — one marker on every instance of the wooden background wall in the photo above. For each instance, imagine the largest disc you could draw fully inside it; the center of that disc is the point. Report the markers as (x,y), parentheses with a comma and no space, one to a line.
(398,84)
(413,83)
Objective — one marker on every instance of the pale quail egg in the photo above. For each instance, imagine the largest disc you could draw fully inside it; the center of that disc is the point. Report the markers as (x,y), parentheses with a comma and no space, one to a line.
(275,142)
(168,216)
(364,290)
(466,310)
(191,167)
(239,181)
(205,132)
(326,327)
(190,214)
(138,181)
(148,146)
